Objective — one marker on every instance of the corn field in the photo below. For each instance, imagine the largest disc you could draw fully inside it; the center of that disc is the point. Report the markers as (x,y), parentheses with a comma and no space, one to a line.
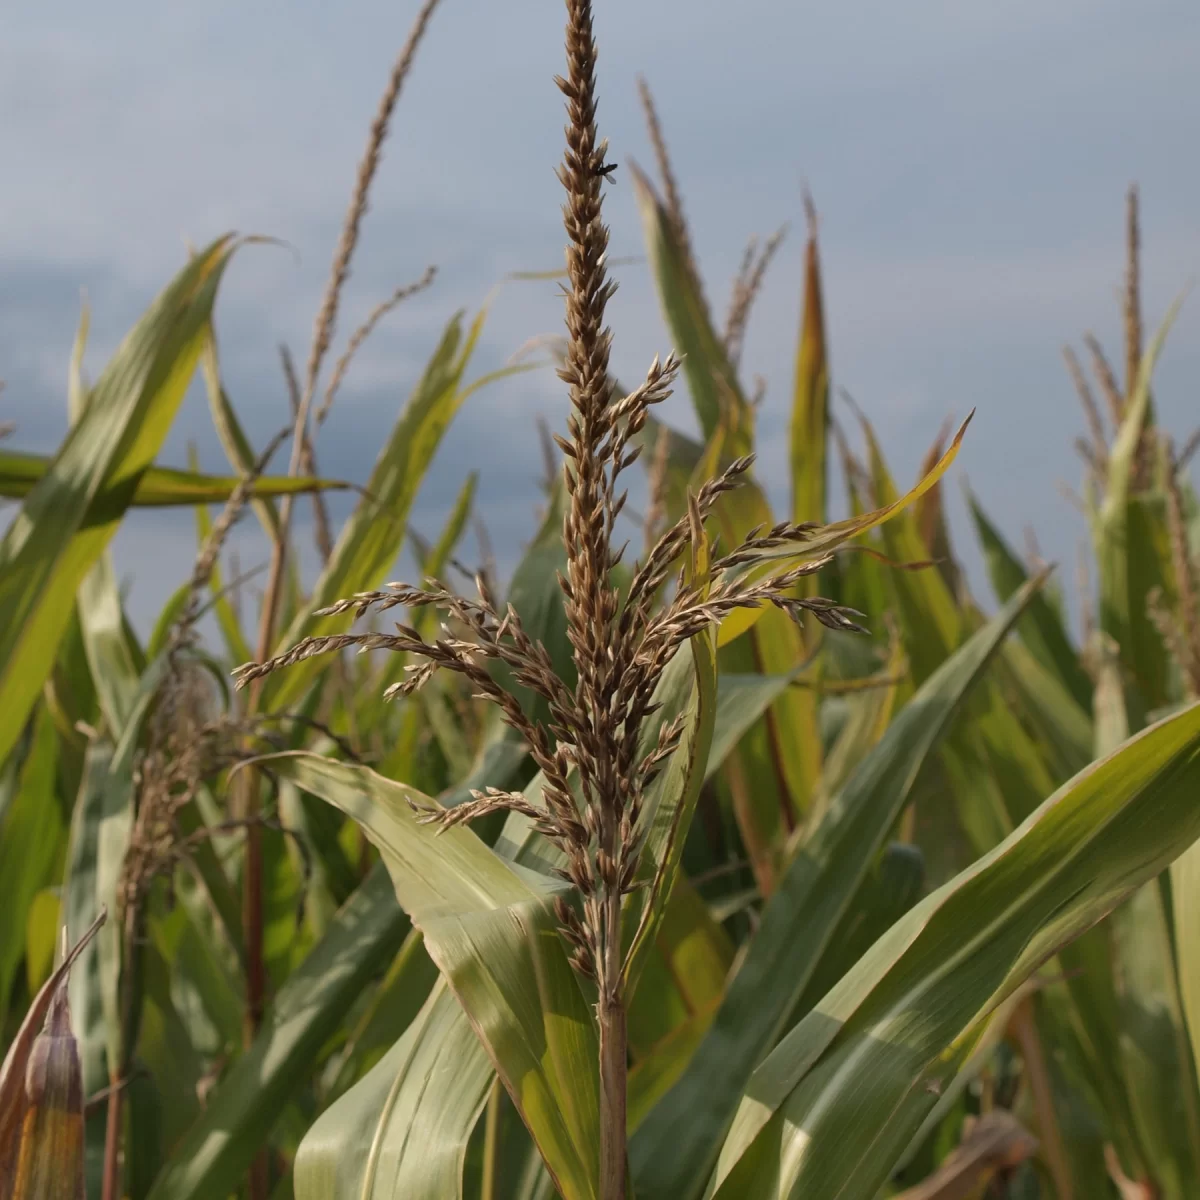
(722,853)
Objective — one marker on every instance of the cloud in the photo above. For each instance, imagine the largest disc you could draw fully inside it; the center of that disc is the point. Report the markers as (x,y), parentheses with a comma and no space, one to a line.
(969,163)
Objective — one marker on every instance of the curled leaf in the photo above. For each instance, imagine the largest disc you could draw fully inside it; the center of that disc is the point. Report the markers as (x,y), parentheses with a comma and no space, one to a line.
(827,538)
(41,1097)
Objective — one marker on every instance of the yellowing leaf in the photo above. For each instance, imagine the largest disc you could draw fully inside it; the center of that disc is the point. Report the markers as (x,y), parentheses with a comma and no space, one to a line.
(829,537)
(50,1159)
(41,1097)
(160,487)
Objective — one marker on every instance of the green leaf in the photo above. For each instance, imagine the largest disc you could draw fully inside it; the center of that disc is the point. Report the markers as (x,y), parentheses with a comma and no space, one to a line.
(399,998)
(782,752)
(834,1105)
(77,391)
(888,890)
(1185,895)
(115,659)
(308,1009)
(863,579)
(69,517)
(203,988)
(81,902)
(114,817)
(782,756)
(670,805)
(1041,629)
(167,617)
(685,971)
(310,1006)
(676,998)
(982,1055)
(219,896)
(673,1152)
(1153,1045)
(891,886)
(997,773)
(710,375)
(491,932)
(868,714)
(402,1132)
(70,694)
(227,618)
(1089,1009)
(1130,563)
(931,618)
(31,837)
(236,444)
(810,398)
(741,699)
(1185,879)
(166,1049)
(371,538)
(160,487)
(41,937)
(1053,716)
(832,536)
(434,563)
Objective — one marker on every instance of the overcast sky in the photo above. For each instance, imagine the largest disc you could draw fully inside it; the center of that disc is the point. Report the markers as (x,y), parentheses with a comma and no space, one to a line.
(969,162)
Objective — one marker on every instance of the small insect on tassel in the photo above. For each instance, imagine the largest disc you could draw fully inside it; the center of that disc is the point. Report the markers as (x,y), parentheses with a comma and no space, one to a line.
(41,1099)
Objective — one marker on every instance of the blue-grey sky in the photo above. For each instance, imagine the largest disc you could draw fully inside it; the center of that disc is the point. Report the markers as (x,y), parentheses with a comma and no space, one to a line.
(969,162)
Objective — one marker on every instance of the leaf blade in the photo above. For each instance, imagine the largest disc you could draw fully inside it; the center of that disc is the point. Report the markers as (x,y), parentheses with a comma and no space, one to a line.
(673,1152)
(68,517)
(1004,916)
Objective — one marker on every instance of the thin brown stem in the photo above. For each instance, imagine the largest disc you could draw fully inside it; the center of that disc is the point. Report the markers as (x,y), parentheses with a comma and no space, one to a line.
(247,798)
(110,1187)
(327,315)
(364,331)
(324,540)
(1099,444)
(745,292)
(111,1177)
(1024,1030)
(1189,448)
(1107,379)
(369,164)
(1128,1189)
(613,1062)
(1133,294)
(308,459)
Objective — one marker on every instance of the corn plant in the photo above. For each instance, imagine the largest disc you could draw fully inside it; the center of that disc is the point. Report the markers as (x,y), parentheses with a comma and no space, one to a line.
(594,821)
(616,881)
